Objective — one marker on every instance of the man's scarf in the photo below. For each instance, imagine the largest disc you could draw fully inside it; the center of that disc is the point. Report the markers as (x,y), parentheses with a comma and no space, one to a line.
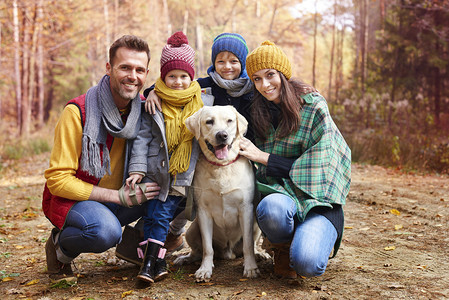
(177,106)
(103,117)
(236,87)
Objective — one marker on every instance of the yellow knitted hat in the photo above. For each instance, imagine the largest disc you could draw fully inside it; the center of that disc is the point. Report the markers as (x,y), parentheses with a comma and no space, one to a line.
(268,56)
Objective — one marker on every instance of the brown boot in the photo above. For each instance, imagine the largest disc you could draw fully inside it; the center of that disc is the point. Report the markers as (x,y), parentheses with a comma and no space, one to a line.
(173,242)
(54,266)
(281,253)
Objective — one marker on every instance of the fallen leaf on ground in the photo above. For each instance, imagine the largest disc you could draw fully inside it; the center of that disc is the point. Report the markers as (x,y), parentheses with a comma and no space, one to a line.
(390,248)
(395,212)
(32,282)
(124,294)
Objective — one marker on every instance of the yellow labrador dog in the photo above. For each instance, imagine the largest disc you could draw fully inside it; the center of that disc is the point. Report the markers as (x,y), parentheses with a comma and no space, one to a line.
(224,188)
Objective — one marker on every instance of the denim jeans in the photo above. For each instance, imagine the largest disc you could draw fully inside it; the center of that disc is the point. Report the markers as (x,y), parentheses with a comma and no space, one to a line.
(311,241)
(158,217)
(94,227)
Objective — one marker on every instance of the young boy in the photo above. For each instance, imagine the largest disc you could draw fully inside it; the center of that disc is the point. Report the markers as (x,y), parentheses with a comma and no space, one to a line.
(166,152)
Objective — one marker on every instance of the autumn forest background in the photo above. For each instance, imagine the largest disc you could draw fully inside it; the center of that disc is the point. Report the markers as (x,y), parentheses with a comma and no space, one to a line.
(383,66)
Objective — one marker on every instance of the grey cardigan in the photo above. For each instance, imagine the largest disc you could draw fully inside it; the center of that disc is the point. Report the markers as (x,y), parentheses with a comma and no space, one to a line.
(149,154)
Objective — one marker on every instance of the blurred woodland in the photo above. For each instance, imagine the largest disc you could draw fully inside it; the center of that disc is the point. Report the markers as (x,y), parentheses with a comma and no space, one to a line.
(383,66)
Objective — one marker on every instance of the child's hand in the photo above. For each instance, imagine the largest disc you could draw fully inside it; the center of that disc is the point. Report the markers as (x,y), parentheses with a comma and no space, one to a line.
(133,179)
(152,102)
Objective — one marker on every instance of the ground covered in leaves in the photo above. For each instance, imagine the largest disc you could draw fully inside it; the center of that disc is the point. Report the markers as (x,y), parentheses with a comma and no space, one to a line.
(395,246)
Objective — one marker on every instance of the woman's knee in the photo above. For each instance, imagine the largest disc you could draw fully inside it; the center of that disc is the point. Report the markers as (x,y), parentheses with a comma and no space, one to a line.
(275,217)
(308,264)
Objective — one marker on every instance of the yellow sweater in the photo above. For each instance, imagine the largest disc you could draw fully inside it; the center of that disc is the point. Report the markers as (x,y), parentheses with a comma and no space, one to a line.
(64,159)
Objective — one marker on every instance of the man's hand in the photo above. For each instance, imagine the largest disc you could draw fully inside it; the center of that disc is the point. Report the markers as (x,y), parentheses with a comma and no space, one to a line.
(104,195)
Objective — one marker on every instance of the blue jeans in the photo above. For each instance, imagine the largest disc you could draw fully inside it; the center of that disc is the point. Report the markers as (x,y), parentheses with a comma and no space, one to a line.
(158,216)
(94,227)
(311,241)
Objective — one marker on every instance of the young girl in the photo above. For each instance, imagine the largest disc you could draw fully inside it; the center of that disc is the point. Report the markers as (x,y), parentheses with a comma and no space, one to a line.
(303,166)
(165,151)
(229,84)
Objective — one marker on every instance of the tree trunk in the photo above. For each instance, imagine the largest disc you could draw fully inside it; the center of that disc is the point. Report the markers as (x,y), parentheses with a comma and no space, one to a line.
(199,42)
(32,74)
(51,88)
(40,68)
(17,64)
(273,15)
(116,17)
(107,40)
(25,126)
(186,21)
(315,27)
(363,13)
(398,55)
(167,18)
(331,67)
(339,68)
(1,104)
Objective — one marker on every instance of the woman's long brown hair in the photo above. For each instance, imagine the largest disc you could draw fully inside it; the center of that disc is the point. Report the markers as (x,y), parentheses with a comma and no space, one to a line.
(290,102)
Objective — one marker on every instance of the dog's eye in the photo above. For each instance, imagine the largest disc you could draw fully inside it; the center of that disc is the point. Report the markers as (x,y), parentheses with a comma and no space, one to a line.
(210,122)
(230,121)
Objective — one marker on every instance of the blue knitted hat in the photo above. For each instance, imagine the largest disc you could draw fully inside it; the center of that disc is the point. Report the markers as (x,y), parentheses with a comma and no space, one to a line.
(232,42)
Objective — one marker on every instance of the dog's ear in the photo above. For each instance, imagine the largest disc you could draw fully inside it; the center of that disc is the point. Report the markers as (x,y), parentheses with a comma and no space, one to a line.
(242,123)
(193,123)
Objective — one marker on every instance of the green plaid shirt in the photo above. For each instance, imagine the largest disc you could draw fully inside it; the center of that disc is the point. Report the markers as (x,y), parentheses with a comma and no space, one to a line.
(321,173)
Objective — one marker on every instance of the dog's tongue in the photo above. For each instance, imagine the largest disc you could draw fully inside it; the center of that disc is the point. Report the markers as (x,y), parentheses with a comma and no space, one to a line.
(221,152)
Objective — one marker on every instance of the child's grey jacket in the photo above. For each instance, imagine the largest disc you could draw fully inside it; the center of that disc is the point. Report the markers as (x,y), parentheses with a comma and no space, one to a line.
(149,154)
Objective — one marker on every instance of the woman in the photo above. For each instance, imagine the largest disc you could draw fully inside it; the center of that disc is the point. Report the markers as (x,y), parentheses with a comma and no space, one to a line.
(303,166)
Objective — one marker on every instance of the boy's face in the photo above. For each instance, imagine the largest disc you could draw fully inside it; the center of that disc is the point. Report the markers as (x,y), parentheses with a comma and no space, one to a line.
(177,80)
(227,65)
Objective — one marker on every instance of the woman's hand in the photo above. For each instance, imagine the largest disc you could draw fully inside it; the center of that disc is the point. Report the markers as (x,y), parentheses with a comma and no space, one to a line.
(250,151)
(152,102)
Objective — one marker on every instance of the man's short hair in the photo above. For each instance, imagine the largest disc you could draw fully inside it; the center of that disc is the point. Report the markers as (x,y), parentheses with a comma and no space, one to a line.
(131,42)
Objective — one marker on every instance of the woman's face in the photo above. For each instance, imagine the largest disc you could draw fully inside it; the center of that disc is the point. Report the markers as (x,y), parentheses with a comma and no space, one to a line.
(177,80)
(227,65)
(268,83)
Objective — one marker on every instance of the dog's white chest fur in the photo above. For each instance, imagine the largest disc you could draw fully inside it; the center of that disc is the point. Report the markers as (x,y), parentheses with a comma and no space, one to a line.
(236,192)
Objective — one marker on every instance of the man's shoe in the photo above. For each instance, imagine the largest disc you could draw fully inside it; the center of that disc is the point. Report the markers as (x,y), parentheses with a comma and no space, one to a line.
(127,249)
(54,266)
(281,253)
(173,242)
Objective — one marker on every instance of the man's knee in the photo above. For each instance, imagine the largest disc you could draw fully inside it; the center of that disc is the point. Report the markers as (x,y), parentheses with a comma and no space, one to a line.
(104,237)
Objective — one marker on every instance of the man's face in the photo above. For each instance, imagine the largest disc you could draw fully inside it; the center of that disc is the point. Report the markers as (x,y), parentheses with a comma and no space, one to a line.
(128,73)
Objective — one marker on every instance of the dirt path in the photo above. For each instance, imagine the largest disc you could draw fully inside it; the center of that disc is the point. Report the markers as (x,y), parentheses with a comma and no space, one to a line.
(395,246)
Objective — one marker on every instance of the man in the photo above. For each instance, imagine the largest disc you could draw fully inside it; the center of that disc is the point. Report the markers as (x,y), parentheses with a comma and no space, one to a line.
(89,161)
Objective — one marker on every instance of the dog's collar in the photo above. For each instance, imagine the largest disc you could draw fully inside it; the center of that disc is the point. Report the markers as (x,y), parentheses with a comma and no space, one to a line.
(221,165)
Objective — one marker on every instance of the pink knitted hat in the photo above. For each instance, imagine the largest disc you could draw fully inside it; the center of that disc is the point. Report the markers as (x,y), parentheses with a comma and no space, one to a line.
(178,55)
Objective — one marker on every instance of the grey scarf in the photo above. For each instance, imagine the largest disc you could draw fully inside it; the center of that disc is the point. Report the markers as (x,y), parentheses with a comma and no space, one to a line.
(103,117)
(236,87)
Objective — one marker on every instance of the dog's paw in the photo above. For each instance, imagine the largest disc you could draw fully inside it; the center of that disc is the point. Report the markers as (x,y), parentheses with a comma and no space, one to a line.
(262,255)
(203,274)
(251,273)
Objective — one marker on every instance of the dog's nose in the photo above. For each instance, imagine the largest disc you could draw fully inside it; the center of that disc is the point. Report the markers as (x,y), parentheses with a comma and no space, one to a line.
(221,136)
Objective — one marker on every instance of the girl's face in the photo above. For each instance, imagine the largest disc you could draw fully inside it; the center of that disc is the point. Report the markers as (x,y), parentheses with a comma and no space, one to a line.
(177,80)
(227,65)
(268,83)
